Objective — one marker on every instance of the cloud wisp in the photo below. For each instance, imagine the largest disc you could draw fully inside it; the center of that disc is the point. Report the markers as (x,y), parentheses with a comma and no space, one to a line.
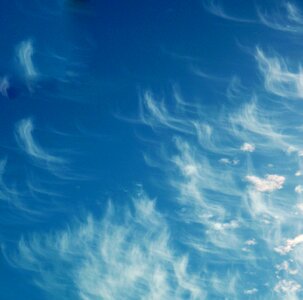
(215,8)
(26,141)
(278,78)
(98,258)
(287,18)
(25,52)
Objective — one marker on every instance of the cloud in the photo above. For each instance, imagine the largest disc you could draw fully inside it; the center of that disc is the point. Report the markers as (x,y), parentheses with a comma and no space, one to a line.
(287,18)
(25,52)
(287,287)
(214,7)
(251,242)
(26,141)
(156,115)
(299,189)
(268,184)
(246,147)
(251,291)
(284,266)
(290,244)
(4,86)
(279,79)
(207,195)
(124,255)
(227,161)
(252,122)
(6,193)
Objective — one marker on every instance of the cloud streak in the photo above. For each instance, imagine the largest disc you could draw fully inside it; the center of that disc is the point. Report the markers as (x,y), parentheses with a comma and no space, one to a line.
(287,18)
(278,78)
(26,141)
(215,8)
(25,52)
(98,258)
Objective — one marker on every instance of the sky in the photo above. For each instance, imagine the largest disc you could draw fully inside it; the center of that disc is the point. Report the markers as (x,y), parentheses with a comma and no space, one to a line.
(151,150)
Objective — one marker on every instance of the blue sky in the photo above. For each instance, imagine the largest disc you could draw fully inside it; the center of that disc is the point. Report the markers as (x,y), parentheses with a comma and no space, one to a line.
(151,150)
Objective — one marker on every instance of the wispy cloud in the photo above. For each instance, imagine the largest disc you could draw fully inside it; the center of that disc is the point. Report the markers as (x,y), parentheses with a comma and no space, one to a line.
(98,258)
(26,141)
(25,52)
(287,17)
(289,287)
(209,194)
(156,115)
(215,8)
(279,79)
(252,122)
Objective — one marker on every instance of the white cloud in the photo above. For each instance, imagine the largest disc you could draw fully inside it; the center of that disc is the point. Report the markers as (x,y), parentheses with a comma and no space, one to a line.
(268,184)
(299,189)
(284,266)
(251,291)
(246,147)
(251,242)
(300,207)
(26,141)
(156,115)
(253,123)
(122,256)
(222,226)
(287,18)
(227,161)
(287,286)
(279,79)
(25,52)
(4,86)
(290,244)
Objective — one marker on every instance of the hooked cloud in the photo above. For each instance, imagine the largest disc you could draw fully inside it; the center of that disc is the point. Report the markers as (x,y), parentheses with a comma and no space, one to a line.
(25,52)
(26,141)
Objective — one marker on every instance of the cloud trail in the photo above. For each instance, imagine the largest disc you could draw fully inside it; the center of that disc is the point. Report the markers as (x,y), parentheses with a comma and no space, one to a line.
(214,7)
(25,52)
(25,140)
(279,79)
(98,258)
(287,18)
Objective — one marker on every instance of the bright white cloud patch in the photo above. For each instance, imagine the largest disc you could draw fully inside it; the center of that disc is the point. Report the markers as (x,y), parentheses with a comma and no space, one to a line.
(246,147)
(288,17)
(287,287)
(290,244)
(268,184)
